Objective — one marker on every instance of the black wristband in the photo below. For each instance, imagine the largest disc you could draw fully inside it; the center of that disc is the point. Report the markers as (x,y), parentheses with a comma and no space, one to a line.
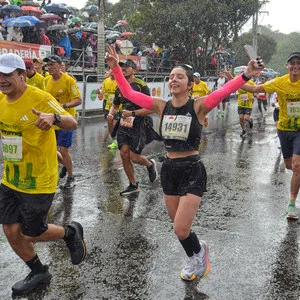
(245,77)
(65,105)
(133,113)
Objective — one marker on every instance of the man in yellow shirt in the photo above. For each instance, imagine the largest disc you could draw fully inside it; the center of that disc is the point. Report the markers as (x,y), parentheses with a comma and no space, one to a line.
(39,67)
(287,88)
(32,77)
(245,103)
(108,90)
(65,90)
(27,116)
(199,89)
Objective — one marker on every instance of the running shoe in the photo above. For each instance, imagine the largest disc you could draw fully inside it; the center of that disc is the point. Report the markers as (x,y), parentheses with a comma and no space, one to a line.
(243,134)
(76,244)
(63,172)
(188,272)
(202,264)
(251,123)
(31,282)
(70,183)
(113,145)
(292,211)
(218,113)
(130,189)
(152,171)
(222,114)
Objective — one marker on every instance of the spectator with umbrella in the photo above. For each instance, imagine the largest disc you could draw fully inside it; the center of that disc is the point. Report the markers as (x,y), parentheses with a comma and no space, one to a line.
(31,35)
(44,39)
(15,35)
(65,43)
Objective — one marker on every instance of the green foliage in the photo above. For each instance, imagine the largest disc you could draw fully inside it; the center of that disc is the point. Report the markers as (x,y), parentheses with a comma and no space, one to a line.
(266,48)
(185,25)
(291,43)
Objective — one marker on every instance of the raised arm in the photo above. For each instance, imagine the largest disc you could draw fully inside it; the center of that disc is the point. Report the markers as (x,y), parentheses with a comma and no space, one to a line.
(213,99)
(138,98)
(253,88)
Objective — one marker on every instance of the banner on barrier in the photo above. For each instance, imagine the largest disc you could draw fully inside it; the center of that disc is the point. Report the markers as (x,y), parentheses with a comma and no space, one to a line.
(25,50)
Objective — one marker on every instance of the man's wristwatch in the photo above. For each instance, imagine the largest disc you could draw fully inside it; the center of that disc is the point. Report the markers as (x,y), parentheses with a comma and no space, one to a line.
(65,105)
(57,119)
(133,113)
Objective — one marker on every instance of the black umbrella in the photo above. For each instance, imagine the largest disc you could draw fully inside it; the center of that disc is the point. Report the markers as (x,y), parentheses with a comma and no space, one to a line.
(92,10)
(56,8)
(9,8)
(57,27)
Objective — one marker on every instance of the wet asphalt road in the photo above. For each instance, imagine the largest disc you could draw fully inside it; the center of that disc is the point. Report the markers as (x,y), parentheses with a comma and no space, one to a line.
(132,250)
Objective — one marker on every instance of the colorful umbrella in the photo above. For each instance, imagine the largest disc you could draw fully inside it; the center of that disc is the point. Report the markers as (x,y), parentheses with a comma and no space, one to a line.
(122,22)
(20,23)
(32,10)
(75,20)
(50,17)
(32,19)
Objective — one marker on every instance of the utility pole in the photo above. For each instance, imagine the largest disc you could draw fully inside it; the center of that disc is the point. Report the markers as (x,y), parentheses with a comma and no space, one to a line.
(101,43)
(255,24)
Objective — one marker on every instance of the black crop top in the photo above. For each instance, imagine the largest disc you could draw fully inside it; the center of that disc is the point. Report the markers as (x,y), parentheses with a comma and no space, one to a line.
(180,128)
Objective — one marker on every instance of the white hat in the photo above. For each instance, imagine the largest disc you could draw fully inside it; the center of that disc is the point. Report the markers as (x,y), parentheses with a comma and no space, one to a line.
(10,62)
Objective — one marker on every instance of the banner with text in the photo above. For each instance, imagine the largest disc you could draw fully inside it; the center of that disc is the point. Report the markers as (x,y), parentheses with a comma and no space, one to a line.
(25,50)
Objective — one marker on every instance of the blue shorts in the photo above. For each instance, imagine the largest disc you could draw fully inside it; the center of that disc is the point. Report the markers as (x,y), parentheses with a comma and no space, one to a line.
(64,138)
(289,142)
(30,210)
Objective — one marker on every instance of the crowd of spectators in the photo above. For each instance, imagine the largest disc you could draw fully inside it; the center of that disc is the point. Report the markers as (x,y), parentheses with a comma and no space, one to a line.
(66,33)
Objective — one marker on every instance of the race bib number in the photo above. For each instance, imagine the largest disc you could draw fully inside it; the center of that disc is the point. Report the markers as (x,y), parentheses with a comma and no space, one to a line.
(244,97)
(127,122)
(293,109)
(12,148)
(176,127)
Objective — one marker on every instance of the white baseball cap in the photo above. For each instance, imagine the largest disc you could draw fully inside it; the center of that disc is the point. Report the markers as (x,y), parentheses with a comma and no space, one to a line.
(10,62)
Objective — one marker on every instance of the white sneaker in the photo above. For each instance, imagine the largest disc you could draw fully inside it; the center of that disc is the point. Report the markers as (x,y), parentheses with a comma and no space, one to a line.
(202,264)
(292,211)
(188,272)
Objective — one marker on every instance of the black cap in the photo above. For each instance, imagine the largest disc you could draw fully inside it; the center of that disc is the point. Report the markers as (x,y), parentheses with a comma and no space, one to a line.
(53,58)
(292,55)
(129,63)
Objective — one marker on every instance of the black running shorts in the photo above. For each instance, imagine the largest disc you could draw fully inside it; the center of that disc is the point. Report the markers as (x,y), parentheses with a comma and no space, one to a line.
(30,210)
(181,176)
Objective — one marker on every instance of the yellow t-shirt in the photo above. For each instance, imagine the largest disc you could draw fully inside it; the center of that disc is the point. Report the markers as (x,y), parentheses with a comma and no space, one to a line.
(108,90)
(36,80)
(45,74)
(289,101)
(200,89)
(245,99)
(30,158)
(64,90)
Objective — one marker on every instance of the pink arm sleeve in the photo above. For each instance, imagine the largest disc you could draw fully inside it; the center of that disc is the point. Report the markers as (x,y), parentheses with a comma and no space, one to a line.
(138,98)
(213,99)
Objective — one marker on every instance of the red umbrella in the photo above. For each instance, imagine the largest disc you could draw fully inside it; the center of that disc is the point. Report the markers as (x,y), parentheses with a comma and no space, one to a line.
(122,22)
(50,17)
(32,10)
